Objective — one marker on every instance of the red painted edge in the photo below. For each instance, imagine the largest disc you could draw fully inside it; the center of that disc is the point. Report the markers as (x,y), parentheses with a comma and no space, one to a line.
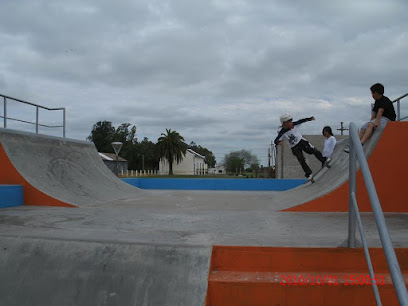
(32,196)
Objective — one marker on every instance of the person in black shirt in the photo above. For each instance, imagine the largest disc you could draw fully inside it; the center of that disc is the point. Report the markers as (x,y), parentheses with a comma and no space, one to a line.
(382,112)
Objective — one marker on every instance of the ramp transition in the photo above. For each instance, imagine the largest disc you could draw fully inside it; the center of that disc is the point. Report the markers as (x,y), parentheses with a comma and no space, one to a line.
(61,172)
(388,167)
(56,171)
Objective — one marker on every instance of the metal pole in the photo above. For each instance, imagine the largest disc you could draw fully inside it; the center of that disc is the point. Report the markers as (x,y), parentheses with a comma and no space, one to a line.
(64,122)
(117,164)
(351,241)
(36,119)
(5,113)
(366,251)
(398,111)
(389,251)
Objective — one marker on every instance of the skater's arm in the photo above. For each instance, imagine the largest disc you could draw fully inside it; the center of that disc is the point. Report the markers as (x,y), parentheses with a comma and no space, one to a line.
(303,120)
(378,117)
(279,137)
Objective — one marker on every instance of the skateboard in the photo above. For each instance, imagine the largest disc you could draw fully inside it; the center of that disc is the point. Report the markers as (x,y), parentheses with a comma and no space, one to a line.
(311,178)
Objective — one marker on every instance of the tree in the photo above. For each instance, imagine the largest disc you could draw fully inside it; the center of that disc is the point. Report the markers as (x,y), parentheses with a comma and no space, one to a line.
(126,135)
(102,135)
(172,147)
(237,161)
(148,153)
(209,156)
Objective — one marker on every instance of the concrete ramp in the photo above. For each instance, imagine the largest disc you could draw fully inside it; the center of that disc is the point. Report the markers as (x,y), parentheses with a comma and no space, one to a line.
(61,172)
(387,165)
(57,171)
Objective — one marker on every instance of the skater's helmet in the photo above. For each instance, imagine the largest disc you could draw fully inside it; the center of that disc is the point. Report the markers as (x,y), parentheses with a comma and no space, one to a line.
(285,117)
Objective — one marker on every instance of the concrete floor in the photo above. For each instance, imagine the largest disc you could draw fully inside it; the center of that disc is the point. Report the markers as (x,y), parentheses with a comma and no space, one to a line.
(183,223)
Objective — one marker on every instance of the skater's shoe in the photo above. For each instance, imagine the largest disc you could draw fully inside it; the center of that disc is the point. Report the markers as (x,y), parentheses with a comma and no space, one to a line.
(310,177)
(327,162)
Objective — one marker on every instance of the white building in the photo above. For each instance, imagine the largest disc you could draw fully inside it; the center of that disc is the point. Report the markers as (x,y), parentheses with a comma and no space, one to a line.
(217,170)
(192,164)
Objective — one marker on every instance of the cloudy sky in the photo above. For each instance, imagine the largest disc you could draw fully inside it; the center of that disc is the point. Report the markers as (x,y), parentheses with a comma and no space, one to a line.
(219,72)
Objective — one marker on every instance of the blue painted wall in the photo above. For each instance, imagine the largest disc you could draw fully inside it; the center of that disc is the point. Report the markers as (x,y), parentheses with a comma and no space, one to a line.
(11,195)
(215,184)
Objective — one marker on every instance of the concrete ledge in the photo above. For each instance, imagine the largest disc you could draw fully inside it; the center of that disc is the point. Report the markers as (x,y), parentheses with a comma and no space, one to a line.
(68,272)
(11,195)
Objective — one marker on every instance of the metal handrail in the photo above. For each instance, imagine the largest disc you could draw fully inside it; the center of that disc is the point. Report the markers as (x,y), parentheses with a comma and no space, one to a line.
(36,123)
(356,152)
(365,246)
(398,100)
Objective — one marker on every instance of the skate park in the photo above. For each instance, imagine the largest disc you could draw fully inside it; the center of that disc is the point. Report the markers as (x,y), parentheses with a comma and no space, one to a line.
(85,237)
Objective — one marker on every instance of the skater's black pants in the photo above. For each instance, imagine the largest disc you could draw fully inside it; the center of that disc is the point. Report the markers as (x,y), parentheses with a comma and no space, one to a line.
(304,145)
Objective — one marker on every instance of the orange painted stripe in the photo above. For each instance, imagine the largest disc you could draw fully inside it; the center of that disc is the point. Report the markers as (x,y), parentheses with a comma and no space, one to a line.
(281,259)
(252,276)
(32,196)
(389,167)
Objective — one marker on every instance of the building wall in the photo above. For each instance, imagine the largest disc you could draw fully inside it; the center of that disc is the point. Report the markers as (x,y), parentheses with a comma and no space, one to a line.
(122,166)
(216,170)
(287,165)
(190,165)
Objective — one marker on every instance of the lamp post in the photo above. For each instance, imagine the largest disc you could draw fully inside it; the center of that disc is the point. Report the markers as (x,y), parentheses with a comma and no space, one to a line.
(117,146)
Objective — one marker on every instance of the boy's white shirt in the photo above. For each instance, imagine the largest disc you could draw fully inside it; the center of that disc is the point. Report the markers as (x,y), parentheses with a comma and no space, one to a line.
(329,144)
(293,136)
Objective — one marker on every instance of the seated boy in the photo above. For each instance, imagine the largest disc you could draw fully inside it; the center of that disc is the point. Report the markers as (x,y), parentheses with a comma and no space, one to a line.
(382,112)
(297,143)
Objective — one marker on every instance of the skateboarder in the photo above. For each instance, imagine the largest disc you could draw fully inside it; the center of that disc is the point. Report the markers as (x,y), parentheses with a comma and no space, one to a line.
(298,144)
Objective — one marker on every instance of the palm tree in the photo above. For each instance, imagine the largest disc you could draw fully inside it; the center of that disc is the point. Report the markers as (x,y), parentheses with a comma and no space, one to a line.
(172,147)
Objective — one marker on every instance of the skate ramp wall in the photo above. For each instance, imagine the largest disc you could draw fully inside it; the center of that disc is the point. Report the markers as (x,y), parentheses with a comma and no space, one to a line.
(58,171)
(388,168)
(73,272)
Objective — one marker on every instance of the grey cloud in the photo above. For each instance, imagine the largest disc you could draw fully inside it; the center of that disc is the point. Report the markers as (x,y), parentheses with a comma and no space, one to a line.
(219,72)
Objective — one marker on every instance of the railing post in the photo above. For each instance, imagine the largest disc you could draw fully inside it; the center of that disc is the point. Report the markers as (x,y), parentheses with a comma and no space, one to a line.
(5,113)
(63,119)
(36,118)
(351,241)
(398,110)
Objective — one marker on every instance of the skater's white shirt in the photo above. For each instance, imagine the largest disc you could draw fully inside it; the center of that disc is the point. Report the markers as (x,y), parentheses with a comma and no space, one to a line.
(329,145)
(293,137)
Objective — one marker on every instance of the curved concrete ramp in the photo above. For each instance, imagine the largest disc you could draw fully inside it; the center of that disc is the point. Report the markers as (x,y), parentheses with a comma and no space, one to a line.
(388,167)
(57,171)
(61,172)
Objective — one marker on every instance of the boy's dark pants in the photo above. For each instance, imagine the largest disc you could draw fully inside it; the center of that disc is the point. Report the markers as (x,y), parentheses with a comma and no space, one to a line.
(304,145)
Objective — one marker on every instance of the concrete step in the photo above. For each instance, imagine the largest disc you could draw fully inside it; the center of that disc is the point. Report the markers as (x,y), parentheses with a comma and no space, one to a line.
(299,276)
(11,195)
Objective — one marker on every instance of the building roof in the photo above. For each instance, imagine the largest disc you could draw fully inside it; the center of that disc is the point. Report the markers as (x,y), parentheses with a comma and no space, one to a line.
(111,157)
(195,153)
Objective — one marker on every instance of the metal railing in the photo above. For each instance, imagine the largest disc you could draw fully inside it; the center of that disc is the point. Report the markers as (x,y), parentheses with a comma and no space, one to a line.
(36,123)
(398,101)
(357,153)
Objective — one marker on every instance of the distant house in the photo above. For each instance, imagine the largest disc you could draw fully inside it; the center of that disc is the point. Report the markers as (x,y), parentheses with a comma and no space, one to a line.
(109,160)
(217,170)
(192,164)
